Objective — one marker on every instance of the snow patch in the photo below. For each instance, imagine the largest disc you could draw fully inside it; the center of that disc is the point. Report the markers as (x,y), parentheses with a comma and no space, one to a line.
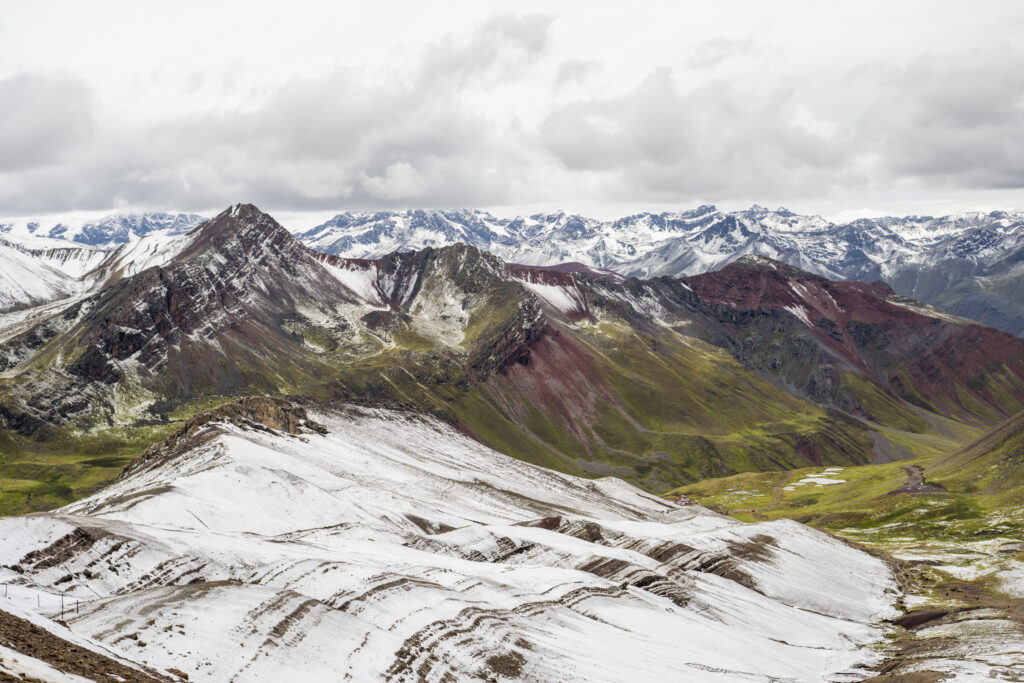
(564,299)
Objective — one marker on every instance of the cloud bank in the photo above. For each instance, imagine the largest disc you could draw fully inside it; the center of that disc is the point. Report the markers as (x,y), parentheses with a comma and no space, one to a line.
(502,114)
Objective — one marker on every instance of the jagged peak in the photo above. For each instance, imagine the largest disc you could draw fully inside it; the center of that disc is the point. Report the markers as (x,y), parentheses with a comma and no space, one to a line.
(232,223)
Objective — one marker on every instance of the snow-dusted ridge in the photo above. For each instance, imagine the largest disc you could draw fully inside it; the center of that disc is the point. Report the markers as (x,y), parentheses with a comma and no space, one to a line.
(677,243)
(394,548)
(97,230)
(32,276)
(967,264)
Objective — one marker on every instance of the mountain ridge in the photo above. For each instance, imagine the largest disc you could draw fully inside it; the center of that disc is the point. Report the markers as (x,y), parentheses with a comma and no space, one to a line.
(909,252)
(966,264)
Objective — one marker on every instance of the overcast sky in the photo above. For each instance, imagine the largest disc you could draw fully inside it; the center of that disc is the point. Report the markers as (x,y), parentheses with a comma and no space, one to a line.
(607,108)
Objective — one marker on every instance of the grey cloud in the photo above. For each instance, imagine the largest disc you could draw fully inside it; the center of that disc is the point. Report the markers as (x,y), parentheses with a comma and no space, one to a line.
(959,121)
(577,71)
(711,53)
(428,139)
(953,122)
(504,43)
(316,142)
(657,142)
(43,119)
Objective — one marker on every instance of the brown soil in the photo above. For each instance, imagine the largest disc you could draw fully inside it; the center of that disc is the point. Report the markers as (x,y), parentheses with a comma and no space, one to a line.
(31,640)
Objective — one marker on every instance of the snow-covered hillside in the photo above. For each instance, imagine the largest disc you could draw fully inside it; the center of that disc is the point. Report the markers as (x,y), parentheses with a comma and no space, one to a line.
(31,276)
(382,545)
(27,279)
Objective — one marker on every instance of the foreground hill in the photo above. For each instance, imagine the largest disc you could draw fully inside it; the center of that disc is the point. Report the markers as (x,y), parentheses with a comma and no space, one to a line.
(262,542)
(663,381)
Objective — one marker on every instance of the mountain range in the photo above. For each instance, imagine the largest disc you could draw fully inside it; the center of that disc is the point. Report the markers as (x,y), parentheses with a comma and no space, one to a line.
(437,464)
(965,264)
(98,232)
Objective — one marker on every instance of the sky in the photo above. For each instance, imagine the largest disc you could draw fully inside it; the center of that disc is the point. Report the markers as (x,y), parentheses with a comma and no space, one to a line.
(604,108)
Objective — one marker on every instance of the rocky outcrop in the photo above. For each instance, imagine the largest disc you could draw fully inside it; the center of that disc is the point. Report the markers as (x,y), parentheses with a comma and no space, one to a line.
(254,412)
(510,344)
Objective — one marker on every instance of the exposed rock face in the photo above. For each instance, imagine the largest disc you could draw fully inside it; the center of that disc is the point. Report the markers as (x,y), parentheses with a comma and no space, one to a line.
(255,411)
(511,344)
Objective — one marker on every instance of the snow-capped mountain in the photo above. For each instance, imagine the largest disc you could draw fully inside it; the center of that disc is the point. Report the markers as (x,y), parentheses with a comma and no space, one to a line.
(43,260)
(908,252)
(679,243)
(265,542)
(99,232)
(965,264)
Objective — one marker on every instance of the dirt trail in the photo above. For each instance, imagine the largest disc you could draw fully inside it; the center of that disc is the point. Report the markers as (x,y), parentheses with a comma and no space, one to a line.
(916,482)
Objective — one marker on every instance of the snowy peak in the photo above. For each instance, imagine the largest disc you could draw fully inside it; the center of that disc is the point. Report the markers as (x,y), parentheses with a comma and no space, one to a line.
(102,232)
(709,236)
(239,226)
